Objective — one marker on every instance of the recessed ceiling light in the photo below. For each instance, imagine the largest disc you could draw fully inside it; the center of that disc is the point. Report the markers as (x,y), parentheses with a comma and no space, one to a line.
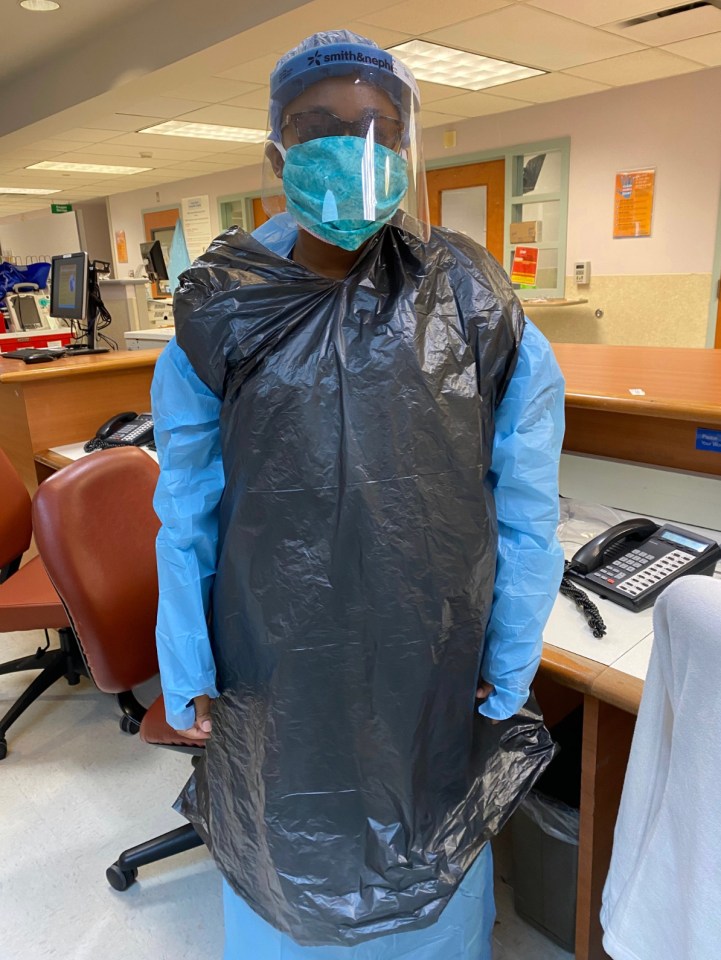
(207,131)
(30,191)
(456,68)
(40,6)
(85,167)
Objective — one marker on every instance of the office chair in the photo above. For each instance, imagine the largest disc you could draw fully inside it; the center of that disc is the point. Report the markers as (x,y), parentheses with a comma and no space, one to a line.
(28,601)
(95,529)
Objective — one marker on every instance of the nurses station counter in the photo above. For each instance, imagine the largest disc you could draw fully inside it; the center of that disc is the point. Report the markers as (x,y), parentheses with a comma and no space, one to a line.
(65,401)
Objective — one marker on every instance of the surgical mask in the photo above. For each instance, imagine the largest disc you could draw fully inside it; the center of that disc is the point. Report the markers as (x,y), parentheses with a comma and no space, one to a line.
(343,189)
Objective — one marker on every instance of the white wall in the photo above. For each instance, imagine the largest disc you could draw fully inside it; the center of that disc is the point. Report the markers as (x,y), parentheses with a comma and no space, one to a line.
(668,124)
(40,234)
(126,209)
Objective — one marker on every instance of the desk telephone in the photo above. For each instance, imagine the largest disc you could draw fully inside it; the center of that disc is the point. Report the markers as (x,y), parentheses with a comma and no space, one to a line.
(634,561)
(123,430)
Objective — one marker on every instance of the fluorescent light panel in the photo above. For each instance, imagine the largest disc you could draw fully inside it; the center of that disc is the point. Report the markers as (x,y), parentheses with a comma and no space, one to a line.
(85,167)
(207,131)
(29,191)
(456,68)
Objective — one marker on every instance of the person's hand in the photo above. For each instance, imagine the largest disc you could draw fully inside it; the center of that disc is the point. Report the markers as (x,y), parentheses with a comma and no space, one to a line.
(203,725)
(484,691)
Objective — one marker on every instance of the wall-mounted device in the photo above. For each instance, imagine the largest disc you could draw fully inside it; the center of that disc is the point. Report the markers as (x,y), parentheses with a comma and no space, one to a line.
(582,272)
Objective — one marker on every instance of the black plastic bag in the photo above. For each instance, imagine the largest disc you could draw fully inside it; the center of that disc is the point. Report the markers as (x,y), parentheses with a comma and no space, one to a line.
(349,782)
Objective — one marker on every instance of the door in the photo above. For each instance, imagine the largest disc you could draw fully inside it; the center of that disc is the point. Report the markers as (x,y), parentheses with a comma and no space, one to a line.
(717,343)
(470,199)
(160,225)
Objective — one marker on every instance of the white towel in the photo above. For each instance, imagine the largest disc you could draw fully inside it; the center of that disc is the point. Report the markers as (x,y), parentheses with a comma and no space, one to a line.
(662,899)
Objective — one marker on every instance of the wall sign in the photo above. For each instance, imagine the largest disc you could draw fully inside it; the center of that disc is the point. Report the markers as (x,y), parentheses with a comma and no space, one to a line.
(196,225)
(633,203)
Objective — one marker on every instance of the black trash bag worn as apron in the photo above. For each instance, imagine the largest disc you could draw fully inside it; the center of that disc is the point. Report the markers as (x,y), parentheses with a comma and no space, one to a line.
(349,782)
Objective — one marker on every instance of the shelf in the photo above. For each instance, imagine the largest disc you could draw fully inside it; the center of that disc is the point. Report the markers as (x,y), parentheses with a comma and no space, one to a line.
(553,302)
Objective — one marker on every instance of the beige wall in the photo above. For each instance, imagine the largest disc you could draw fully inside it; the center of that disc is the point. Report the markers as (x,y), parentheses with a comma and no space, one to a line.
(660,310)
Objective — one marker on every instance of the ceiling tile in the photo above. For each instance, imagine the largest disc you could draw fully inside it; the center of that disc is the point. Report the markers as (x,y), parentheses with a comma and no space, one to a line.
(254,71)
(148,141)
(533,37)
(228,116)
(166,108)
(596,12)
(431,92)
(552,86)
(680,26)
(210,90)
(159,151)
(382,36)
(424,15)
(121,122)
(89,134)
(702,49)
(257,99)
(431,119)
(635,68)
(477,104)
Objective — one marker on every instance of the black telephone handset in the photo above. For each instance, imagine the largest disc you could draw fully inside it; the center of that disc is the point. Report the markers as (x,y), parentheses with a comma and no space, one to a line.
(634,561)
(127,429)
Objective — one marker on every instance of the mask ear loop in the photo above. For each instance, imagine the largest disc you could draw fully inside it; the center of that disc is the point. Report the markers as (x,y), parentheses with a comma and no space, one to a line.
(280,148)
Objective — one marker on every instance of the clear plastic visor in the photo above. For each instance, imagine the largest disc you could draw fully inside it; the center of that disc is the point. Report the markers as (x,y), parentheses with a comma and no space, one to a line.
(343,154)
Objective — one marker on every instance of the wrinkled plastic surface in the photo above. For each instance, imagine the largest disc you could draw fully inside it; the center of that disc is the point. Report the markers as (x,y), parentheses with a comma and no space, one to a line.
(349,783)
(555,819)
(464,930)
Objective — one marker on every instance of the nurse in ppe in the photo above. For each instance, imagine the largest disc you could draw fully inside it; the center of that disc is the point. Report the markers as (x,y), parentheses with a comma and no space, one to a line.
(359,435)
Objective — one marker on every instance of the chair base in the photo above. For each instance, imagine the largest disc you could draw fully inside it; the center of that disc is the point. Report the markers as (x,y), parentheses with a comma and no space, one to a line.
(124,872)
(66,661)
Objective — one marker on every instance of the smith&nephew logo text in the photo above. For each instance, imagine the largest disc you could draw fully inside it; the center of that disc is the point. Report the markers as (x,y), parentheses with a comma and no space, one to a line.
(349,56)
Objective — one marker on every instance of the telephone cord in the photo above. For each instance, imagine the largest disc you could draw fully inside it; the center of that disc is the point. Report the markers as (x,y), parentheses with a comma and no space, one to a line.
(584,603)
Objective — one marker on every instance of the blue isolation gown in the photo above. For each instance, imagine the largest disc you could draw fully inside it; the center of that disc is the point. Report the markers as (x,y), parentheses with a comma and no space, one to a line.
(524,471)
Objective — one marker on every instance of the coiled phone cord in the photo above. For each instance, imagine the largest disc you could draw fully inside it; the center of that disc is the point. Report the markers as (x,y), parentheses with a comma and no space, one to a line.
(584,603)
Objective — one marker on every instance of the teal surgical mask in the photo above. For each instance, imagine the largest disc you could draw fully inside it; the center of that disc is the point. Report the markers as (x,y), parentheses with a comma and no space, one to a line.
(343,189)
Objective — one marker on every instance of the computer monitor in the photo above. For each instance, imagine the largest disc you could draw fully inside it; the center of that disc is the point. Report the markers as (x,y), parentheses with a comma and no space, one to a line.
(74,296)
(154,260)
(69,287)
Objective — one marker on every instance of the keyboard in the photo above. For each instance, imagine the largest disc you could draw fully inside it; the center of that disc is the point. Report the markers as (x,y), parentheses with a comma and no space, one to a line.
(24,352)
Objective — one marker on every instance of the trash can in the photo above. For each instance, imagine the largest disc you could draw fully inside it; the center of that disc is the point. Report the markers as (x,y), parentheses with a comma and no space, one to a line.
(544,840)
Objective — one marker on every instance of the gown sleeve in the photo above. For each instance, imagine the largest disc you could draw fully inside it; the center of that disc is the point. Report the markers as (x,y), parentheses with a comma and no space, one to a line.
(524,474)
(187,499)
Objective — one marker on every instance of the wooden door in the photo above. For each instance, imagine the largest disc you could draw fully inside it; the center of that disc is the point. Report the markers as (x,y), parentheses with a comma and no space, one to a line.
(463,197)
(259,214)
(157,225)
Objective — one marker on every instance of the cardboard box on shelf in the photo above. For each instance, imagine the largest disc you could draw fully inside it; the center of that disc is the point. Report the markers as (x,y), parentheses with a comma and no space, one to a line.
(527,231)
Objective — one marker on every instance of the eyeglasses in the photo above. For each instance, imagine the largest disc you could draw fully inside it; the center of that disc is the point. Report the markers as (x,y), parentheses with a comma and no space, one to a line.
(316,124)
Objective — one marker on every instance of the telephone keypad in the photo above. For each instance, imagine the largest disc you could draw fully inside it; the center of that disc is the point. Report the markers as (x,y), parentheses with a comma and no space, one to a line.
(655,572)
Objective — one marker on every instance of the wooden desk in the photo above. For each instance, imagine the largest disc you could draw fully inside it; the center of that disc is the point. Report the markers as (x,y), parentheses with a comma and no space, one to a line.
(682,391)
(64,401)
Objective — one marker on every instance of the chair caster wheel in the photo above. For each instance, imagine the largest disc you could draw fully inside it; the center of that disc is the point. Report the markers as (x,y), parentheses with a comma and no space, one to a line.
(3,748)
(120,879)
(128,725)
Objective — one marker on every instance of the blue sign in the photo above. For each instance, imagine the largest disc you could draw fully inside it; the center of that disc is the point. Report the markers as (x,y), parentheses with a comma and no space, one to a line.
(708,440)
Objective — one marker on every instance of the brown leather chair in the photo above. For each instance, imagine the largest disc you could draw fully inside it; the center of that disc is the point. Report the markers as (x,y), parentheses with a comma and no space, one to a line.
(95,529)
(28,601)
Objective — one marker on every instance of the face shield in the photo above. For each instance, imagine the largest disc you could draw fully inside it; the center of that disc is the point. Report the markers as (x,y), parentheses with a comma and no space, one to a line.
(344,154)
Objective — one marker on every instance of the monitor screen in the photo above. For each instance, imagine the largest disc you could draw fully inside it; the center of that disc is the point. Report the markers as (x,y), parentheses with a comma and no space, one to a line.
(69,289)
(26,308)
(152,254)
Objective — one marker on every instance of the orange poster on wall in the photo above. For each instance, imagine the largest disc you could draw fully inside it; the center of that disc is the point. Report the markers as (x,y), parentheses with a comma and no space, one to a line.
(121,246)
(633,204)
